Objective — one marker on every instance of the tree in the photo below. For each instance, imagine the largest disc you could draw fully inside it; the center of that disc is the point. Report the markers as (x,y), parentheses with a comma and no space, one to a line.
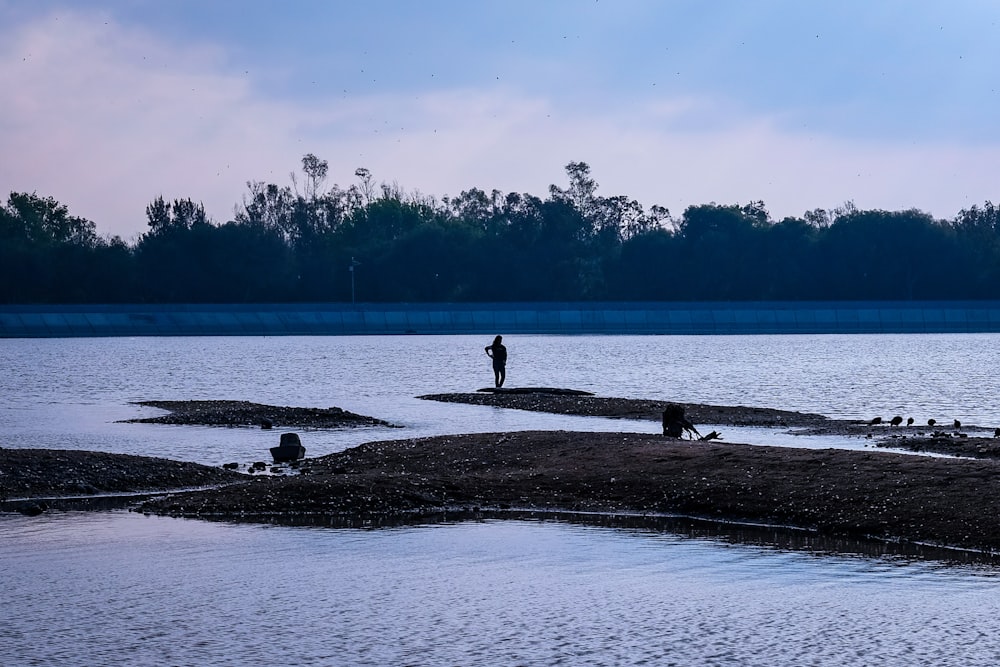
(977,230)
(315,171)
(582,188)
(182,214)
(289,243)
(887,255)
(787,260)
(367,186)
(651,267)
(43,220)
(48,255)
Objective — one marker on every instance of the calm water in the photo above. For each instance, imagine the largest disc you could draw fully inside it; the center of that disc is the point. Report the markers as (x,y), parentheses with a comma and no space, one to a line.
(69,393)
(118,588)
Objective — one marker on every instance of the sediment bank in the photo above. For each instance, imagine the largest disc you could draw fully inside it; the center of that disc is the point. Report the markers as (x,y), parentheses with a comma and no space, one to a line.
(47,473)
(876,494)
(245,413)
(867,493)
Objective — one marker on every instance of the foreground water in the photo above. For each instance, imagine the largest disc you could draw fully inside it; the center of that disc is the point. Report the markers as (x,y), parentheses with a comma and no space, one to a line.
(111,589)
(118,588)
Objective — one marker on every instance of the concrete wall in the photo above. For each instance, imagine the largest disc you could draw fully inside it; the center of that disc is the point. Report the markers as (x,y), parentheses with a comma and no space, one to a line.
(37,321)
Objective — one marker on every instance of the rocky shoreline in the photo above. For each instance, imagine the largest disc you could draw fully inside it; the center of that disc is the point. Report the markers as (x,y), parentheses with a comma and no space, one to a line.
(970,441)
(630,408)
(874,494)
(245,413)
(30,475)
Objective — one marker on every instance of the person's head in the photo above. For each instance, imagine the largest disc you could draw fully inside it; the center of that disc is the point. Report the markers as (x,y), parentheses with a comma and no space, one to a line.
(496,341)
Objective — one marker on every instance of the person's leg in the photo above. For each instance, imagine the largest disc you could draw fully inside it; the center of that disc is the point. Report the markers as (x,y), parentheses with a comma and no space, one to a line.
(502,374)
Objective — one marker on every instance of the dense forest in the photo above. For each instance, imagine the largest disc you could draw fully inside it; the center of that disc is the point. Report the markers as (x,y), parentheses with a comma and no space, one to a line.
(374,242)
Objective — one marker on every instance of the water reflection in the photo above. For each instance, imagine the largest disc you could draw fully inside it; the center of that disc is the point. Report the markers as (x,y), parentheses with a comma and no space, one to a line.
(535,591)
(758,535)
(782,538)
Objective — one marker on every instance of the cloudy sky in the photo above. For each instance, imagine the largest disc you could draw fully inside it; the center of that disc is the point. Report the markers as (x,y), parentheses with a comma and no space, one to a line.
(892,104)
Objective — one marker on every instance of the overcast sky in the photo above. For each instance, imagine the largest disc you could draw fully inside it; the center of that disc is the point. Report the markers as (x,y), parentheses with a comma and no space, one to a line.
(893,104)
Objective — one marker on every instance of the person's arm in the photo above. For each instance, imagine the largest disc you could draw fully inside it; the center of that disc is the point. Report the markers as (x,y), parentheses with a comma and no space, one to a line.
(488,348)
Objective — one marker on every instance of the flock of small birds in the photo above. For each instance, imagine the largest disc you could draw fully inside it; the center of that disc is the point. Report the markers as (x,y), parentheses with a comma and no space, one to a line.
(898,420)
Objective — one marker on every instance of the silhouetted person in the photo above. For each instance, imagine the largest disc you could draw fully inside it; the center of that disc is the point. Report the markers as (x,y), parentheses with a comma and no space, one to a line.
(498,353)
(675,423)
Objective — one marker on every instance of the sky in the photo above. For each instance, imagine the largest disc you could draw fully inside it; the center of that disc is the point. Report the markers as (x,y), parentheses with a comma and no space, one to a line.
(891,105)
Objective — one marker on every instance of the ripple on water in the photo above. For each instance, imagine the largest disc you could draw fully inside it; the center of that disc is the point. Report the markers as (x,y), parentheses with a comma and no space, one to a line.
(101,588)
(528,592)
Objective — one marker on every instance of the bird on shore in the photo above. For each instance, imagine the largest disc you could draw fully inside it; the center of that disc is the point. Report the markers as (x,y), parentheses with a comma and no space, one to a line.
(996,433)
(877,420)
(909,421)
(931,422)
(896,421)
(958,424)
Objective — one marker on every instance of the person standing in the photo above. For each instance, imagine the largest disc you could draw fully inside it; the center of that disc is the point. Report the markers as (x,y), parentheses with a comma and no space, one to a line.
(498,353)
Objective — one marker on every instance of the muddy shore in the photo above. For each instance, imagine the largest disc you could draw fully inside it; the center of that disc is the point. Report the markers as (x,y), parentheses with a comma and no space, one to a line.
(852,493)
(245,413)
(970,441)
(629,408)
(32,474)
(888,496)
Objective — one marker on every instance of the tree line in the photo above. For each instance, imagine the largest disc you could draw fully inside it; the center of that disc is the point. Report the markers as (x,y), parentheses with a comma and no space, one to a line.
(373,242)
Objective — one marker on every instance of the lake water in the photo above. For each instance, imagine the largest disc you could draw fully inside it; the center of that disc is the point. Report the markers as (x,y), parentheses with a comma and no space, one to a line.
(114,587)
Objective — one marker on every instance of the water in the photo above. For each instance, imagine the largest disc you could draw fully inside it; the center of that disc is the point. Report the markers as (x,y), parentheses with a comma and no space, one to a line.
(108,588)
(68,393)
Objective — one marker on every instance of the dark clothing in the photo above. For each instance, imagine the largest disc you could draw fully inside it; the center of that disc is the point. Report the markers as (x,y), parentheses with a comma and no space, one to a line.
(498,353)
(675,423)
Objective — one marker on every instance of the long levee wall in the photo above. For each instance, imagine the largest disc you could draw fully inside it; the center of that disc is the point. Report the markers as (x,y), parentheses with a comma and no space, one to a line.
(48,321)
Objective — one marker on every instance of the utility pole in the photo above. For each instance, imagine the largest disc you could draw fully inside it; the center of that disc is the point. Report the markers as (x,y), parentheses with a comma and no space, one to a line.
(354,263)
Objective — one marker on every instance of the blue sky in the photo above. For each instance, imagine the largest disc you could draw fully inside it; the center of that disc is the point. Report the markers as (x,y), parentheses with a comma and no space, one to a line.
(890,104)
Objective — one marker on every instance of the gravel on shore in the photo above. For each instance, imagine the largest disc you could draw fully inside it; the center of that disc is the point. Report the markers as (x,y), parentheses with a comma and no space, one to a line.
(54,473)
(877,494)
(945,501)
(969,441)
(630,408)
(245,413)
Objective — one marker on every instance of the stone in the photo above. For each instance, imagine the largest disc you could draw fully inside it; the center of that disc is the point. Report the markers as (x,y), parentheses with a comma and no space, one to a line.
(32,508)
(289,449)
